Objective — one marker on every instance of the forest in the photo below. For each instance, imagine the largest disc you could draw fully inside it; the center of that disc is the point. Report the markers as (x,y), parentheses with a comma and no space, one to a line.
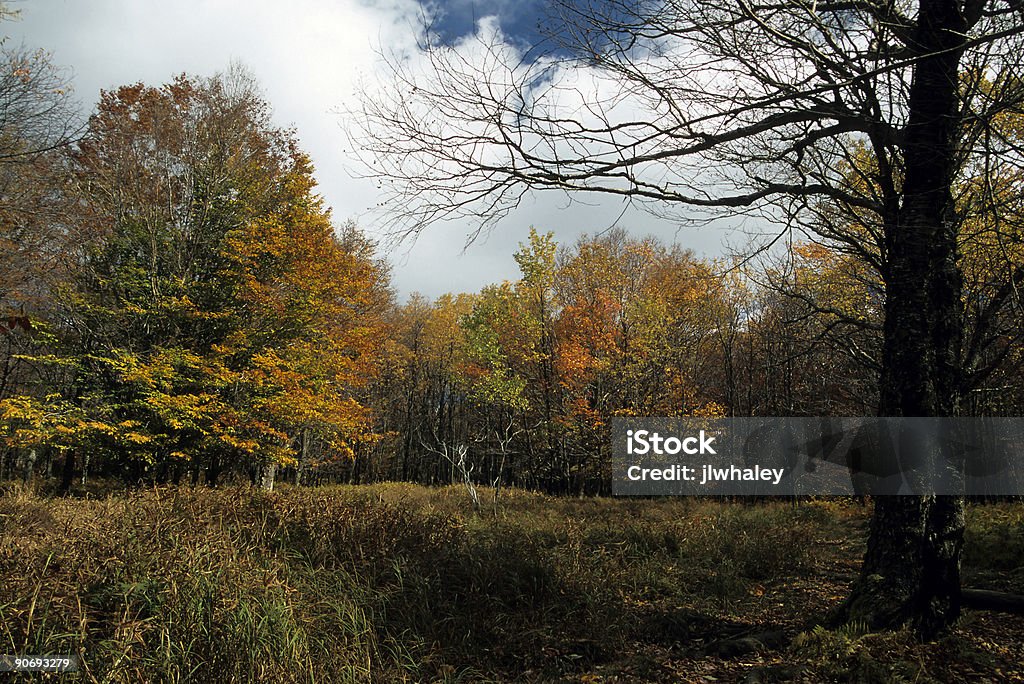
(180,306)
(230,450)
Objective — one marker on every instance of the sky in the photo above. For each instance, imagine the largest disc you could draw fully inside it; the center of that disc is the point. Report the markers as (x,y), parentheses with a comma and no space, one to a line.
(309,56)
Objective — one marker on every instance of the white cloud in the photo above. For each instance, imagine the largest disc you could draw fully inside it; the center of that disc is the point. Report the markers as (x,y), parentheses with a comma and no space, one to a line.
(309,56)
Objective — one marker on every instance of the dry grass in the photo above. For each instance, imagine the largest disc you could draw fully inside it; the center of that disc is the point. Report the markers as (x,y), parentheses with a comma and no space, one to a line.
(400,583)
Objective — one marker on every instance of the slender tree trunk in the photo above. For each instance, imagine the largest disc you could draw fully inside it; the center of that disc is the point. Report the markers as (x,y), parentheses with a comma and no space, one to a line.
(213,471)
(267,473)
(68,472)
(30,464)
(911,571)
(302,471)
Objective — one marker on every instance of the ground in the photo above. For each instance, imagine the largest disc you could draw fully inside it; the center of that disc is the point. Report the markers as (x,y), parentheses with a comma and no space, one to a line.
(398,582)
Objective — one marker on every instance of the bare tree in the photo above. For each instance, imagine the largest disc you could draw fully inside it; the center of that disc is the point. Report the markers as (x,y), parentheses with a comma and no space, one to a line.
(38,117)
(37,111)
(751,106)
(504,433)
(456,457)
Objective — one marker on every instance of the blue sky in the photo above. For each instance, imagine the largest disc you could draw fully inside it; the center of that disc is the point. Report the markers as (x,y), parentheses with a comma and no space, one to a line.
(518,19)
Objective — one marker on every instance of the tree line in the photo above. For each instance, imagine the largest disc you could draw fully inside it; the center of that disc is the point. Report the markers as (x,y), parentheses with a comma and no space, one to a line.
(180,304)
(527,375)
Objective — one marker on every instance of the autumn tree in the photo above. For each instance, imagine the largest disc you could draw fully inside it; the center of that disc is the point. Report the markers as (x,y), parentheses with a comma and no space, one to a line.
(208,314)
(38,118)
(511,368)
(819,326)
(608,326)
(748,108)
(422,392)
(633,334)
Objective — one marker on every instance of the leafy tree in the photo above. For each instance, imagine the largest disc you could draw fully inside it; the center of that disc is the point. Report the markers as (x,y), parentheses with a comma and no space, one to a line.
(38,118)
(423,392)
(591,331)
(208,314)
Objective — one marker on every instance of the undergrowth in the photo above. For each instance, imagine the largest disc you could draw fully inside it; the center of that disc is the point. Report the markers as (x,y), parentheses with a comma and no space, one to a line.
(383,583)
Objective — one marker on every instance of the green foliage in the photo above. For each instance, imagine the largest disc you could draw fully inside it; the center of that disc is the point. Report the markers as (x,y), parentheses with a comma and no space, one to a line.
(490,373)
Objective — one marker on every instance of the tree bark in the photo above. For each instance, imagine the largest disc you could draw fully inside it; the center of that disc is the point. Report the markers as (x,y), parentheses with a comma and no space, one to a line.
(29,467)
(911,570)
(67,478)
(982,599)
(213,470)
(267,473)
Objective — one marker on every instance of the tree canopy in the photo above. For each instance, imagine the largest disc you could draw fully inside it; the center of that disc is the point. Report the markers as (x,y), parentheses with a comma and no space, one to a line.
(205,311)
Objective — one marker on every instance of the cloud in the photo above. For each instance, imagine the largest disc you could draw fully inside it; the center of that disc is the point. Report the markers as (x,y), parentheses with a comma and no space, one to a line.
(309,55)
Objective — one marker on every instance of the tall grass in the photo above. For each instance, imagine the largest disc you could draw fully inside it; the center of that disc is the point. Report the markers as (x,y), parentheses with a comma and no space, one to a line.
(383,583)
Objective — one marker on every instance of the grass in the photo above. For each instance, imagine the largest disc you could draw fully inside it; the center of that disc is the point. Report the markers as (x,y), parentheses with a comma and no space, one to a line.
(397,582)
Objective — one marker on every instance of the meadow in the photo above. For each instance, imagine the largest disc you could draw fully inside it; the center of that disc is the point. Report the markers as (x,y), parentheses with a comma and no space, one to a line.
(402,583)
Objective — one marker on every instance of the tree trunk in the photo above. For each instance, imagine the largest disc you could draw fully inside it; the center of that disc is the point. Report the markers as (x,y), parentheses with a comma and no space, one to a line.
(67,478)
(302,470)
(85,467)
(30,464)
(267,473)
(911,571)
(213,471)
